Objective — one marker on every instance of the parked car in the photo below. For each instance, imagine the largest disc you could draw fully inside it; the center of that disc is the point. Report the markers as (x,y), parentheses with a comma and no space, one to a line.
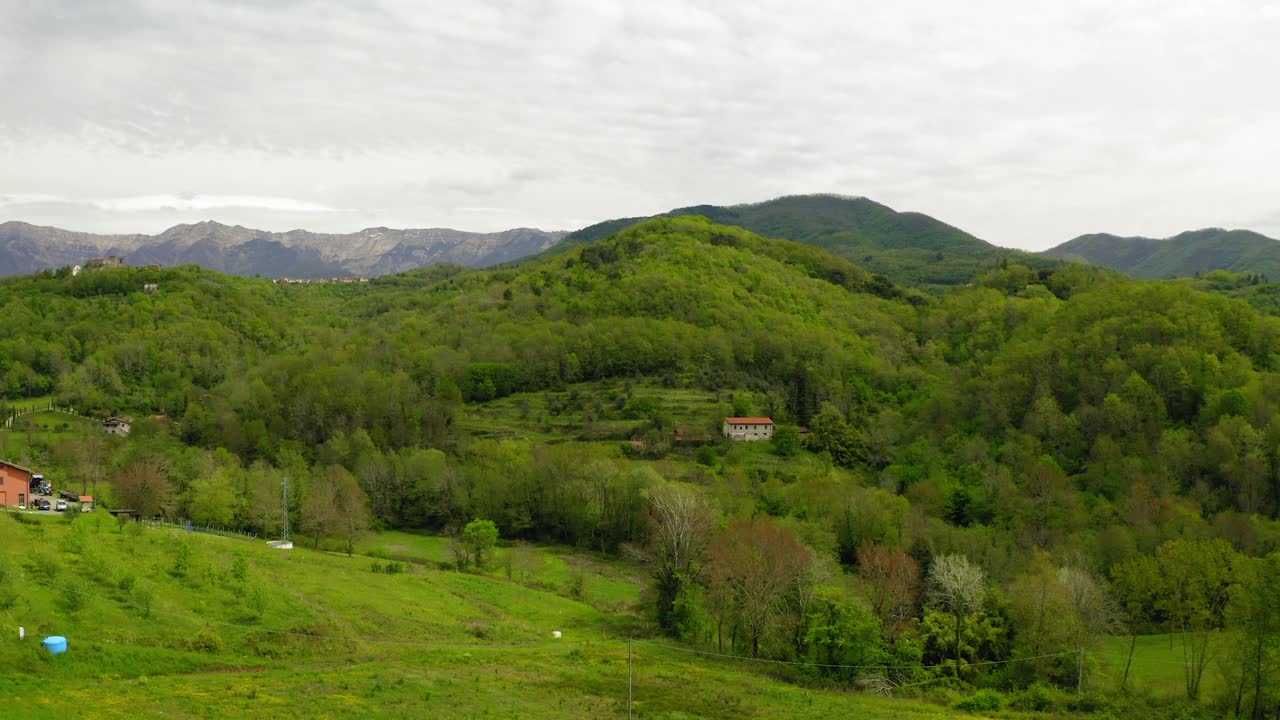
(45,504)
(61,506)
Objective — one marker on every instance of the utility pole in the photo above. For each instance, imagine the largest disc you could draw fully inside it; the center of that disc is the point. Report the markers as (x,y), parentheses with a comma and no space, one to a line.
(1080,671)
(628,678)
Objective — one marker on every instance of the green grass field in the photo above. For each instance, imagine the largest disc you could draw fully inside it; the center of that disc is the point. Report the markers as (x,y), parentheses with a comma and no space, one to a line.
(592,411)
(603,583)
(32,434)
(166,623)
(1157,665)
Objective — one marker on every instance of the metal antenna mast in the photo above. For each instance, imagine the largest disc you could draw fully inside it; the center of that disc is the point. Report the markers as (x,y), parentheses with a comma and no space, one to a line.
(284,498)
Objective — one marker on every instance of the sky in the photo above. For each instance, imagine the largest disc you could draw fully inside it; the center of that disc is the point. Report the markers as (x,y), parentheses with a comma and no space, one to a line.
(1024,123)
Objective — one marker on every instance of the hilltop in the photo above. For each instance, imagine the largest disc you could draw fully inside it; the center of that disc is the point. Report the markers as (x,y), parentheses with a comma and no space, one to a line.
(909,248)
(1183,255)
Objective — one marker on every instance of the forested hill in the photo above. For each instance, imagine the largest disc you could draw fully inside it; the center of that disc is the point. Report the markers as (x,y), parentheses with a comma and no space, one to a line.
(1185,255)
(909,248)
(1091,383)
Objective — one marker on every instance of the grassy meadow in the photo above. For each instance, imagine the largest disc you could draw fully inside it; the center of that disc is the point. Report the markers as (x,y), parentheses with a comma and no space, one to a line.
(168,623)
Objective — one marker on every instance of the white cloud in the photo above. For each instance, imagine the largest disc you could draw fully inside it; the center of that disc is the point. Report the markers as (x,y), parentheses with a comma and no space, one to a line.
(1026,124)
(143,203)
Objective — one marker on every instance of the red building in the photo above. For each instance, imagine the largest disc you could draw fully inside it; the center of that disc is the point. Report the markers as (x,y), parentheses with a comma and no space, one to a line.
(15,484)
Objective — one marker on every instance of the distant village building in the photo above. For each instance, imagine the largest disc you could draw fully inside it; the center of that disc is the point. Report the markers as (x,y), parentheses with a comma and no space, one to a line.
(748,428)
(313,281)
(75,270)
(117,425)
(150,287)
(15,484)
(103,263)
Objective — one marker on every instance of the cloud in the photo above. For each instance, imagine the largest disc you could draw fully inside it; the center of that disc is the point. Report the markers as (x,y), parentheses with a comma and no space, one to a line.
(1025,125)
(209,202)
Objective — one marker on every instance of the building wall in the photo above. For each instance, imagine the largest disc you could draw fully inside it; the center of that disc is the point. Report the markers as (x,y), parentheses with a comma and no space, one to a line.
(14,483)
(747,432)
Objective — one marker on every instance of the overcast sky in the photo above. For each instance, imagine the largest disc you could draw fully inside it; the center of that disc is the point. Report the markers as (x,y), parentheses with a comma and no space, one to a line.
(1025,123)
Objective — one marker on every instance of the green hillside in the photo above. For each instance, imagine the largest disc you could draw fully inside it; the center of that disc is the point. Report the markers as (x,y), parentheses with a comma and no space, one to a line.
(1184,255)
(909,248)
(163,623)
(1091,455)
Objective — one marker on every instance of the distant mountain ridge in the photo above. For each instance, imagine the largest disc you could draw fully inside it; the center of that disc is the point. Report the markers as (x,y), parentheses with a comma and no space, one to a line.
(237,250)
(1183,255)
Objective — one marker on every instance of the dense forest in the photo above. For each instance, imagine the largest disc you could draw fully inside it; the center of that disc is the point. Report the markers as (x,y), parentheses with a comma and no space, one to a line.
(1015,469)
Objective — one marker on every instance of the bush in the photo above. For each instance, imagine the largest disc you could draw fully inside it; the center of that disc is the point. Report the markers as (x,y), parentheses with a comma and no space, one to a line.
(981,701)
(240,568)
(72,598)
(1036,697)
(42,565)
(141,599)
(181,560)
(205,640)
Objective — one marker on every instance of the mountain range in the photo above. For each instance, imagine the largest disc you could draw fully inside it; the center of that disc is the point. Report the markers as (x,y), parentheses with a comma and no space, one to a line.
(909,248)
(1184,255)
(26,248)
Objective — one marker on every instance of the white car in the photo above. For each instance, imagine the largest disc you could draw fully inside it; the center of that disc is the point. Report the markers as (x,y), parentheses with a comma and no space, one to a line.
(61,506)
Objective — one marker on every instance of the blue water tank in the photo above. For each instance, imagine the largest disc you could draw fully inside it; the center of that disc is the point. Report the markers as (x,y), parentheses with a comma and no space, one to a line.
(55,644)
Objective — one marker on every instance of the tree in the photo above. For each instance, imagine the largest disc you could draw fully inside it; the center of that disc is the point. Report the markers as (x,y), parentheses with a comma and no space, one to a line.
(1253,616)
(351,506)
(144,486)
(1138,585)
(480,537)
(843,633)
(680,522)
(335,504)
(1094,613)
(759,562)
(786,441)
(317,511)
(213,499)
(1198,578)
(893,584)
(1039,609)
(833,433)
(958,587)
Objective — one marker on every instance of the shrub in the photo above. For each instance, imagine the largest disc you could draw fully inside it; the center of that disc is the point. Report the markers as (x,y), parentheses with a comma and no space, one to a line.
(72,598)
(240,568)
(1036,697)
(141,599)
(126,584)
(206,640)
(42,565)
(255,598)
(981,701)
(181,561)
